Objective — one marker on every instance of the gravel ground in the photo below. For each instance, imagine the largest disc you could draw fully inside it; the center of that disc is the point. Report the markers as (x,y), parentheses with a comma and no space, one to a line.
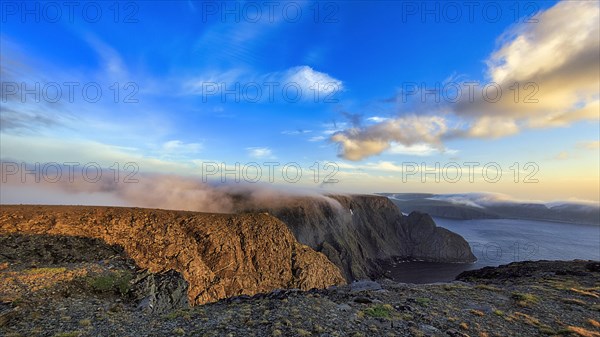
(523,299)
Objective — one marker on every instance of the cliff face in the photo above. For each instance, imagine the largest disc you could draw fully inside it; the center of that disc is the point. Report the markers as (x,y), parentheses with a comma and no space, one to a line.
(356,231)
(219,255)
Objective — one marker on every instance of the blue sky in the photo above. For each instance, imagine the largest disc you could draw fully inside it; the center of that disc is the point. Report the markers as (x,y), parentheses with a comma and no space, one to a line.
(171,53)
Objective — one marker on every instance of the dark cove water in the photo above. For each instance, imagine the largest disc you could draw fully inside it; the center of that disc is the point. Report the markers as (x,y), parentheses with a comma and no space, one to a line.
(501,241)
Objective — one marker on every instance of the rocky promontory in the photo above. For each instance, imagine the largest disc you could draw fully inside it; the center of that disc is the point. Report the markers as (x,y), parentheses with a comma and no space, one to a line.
(299,242)
(356,232)
(219,255)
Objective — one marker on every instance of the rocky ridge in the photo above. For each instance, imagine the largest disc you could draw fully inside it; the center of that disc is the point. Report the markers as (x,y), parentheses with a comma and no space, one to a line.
(219,255)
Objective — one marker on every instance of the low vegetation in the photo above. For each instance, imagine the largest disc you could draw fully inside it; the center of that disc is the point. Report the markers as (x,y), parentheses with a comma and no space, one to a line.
(380,310)
(111,282)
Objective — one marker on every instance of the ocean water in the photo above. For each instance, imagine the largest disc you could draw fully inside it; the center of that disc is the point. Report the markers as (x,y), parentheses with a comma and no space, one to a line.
(501,241)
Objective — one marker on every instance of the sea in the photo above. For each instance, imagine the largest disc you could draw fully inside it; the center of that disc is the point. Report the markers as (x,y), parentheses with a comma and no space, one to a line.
(501,241)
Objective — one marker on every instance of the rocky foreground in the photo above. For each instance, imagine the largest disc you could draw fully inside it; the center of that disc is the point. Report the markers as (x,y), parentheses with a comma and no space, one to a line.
(70,286)
(280,271)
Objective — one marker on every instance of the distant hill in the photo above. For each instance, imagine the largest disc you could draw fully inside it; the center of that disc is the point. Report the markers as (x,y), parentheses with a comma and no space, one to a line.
(487,206)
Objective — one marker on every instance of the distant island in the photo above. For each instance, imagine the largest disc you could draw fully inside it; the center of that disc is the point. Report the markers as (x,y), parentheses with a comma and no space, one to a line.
(487,206)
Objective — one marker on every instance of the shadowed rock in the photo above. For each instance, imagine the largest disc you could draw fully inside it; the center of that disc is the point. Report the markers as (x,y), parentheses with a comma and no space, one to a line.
(159,293)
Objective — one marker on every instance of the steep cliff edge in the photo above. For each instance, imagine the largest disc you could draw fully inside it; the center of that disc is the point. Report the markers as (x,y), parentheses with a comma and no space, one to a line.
(355,231)
(219,255)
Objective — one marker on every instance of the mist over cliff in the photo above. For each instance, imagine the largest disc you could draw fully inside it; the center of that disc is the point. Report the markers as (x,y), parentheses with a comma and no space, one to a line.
(357,232)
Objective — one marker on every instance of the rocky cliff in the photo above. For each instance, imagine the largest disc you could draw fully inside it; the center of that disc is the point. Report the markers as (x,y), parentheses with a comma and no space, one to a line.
(356,231)
(219,255)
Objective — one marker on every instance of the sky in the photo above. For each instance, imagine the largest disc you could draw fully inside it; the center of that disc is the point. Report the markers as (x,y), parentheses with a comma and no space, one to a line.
(352,96)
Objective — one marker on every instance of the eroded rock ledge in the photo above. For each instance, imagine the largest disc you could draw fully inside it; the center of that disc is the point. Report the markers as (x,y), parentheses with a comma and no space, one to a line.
(219,255)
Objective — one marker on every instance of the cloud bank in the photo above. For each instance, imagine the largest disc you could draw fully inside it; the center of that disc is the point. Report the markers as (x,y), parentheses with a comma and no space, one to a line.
(151,190)
(547,74)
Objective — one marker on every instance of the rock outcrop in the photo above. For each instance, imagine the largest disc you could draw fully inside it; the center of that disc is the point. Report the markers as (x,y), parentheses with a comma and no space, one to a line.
(219,255)
(159,293)
(357,231)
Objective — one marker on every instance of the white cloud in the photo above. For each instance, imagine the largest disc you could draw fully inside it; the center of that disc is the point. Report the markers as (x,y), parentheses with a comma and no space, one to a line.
(384,166)
(416,149)
(555,64)
(377,119)
(358,143)
(314,85)
(179,147)
(317,139)
(591,145)
(260,152)
(312,81)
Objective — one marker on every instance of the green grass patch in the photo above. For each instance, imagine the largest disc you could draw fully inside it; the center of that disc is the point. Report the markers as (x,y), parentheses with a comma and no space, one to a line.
(525,299)
(379,311)
(115,282)
(37,271)
(423,301)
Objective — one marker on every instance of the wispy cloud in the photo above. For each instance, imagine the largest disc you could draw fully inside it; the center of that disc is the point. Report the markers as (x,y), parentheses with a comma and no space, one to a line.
(591,145)
(299,82)
(110,59)
(563,155)
(179,147)
(317,139)
(295,132)
(260,152)
(377,119)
